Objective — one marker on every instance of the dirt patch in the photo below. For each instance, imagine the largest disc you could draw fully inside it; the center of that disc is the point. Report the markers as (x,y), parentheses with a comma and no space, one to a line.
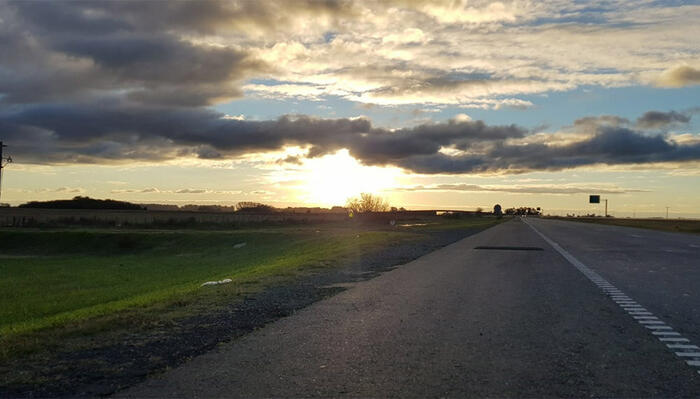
(112,361)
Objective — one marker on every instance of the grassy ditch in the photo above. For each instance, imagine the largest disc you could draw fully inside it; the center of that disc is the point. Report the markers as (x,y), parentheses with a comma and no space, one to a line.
(50,278)
(95,310)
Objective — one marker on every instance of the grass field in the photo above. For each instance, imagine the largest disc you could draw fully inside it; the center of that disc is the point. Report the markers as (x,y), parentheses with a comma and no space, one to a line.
(50,278)
(672,225)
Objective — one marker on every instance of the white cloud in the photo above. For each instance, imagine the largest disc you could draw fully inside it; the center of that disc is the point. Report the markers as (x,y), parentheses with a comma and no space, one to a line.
(481,52)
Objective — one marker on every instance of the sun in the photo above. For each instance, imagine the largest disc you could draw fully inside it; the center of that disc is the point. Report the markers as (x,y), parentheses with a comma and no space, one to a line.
(332,179)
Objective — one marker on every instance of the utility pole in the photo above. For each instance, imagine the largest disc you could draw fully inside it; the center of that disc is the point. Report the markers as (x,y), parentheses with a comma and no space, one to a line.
(667,211)
(3,162)
(606,207)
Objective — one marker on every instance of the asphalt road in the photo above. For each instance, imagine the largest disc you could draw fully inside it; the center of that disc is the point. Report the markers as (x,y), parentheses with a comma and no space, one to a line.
(483,322)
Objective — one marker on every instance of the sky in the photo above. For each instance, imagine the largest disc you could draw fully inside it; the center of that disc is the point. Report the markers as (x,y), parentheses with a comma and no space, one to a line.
(431,105)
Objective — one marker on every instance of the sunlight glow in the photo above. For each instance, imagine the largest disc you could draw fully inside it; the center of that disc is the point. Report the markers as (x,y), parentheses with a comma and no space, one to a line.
(332,179)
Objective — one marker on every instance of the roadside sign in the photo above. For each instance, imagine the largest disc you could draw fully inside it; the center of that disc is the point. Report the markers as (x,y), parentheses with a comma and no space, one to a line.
(594,199)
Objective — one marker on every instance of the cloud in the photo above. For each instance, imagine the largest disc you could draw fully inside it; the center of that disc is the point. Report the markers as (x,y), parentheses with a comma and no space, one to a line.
(290,159)
(132,190)
(112,82)
(78,50)
(650,120)
(473,54)
(152,190)
(591,124)
(527,189)
(191,191)
(661,120)
(114,131)
(679,76)
(72,190)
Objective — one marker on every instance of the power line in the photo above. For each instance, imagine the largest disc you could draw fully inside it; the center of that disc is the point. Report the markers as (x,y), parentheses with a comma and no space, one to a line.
(3,162)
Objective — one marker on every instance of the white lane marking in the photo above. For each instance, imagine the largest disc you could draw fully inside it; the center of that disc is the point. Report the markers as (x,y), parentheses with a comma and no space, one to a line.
(694,246)
(632,308)
(681,346)
(635,235)
(674,339)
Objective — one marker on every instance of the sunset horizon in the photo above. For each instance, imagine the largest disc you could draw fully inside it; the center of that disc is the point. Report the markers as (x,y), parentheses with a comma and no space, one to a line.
(349,198)
(457,105)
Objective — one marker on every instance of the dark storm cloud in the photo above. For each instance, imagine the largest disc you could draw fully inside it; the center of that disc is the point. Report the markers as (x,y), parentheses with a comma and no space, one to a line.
(661,120)
(97,17)
(610,146)
(79,50)
(117,131)
(91,131)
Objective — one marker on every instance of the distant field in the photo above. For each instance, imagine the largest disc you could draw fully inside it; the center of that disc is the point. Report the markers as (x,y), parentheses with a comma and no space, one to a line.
(52,277)
(674,225)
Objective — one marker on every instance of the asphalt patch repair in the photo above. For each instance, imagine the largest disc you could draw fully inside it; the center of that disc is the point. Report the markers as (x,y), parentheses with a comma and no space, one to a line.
(511,248)
(117,363)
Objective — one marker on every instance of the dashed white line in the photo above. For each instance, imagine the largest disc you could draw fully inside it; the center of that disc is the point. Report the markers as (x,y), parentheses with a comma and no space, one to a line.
(658,328)
(674,339)
(681,346)
(688,354)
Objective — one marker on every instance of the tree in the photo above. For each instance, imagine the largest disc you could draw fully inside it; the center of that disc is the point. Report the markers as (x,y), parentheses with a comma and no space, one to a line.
(83,203)
(253,207)
(367,203)
(497,210)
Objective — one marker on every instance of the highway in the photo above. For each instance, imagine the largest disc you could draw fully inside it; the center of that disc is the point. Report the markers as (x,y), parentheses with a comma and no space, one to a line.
(529,308)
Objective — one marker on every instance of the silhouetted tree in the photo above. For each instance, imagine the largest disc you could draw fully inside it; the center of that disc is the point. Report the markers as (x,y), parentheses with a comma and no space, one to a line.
(367,203)
(253,207)
(497,210)
(83,203)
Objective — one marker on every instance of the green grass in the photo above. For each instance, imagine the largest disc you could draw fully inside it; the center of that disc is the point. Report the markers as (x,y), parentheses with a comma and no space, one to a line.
(50,278)
(672,225)
(58,282)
